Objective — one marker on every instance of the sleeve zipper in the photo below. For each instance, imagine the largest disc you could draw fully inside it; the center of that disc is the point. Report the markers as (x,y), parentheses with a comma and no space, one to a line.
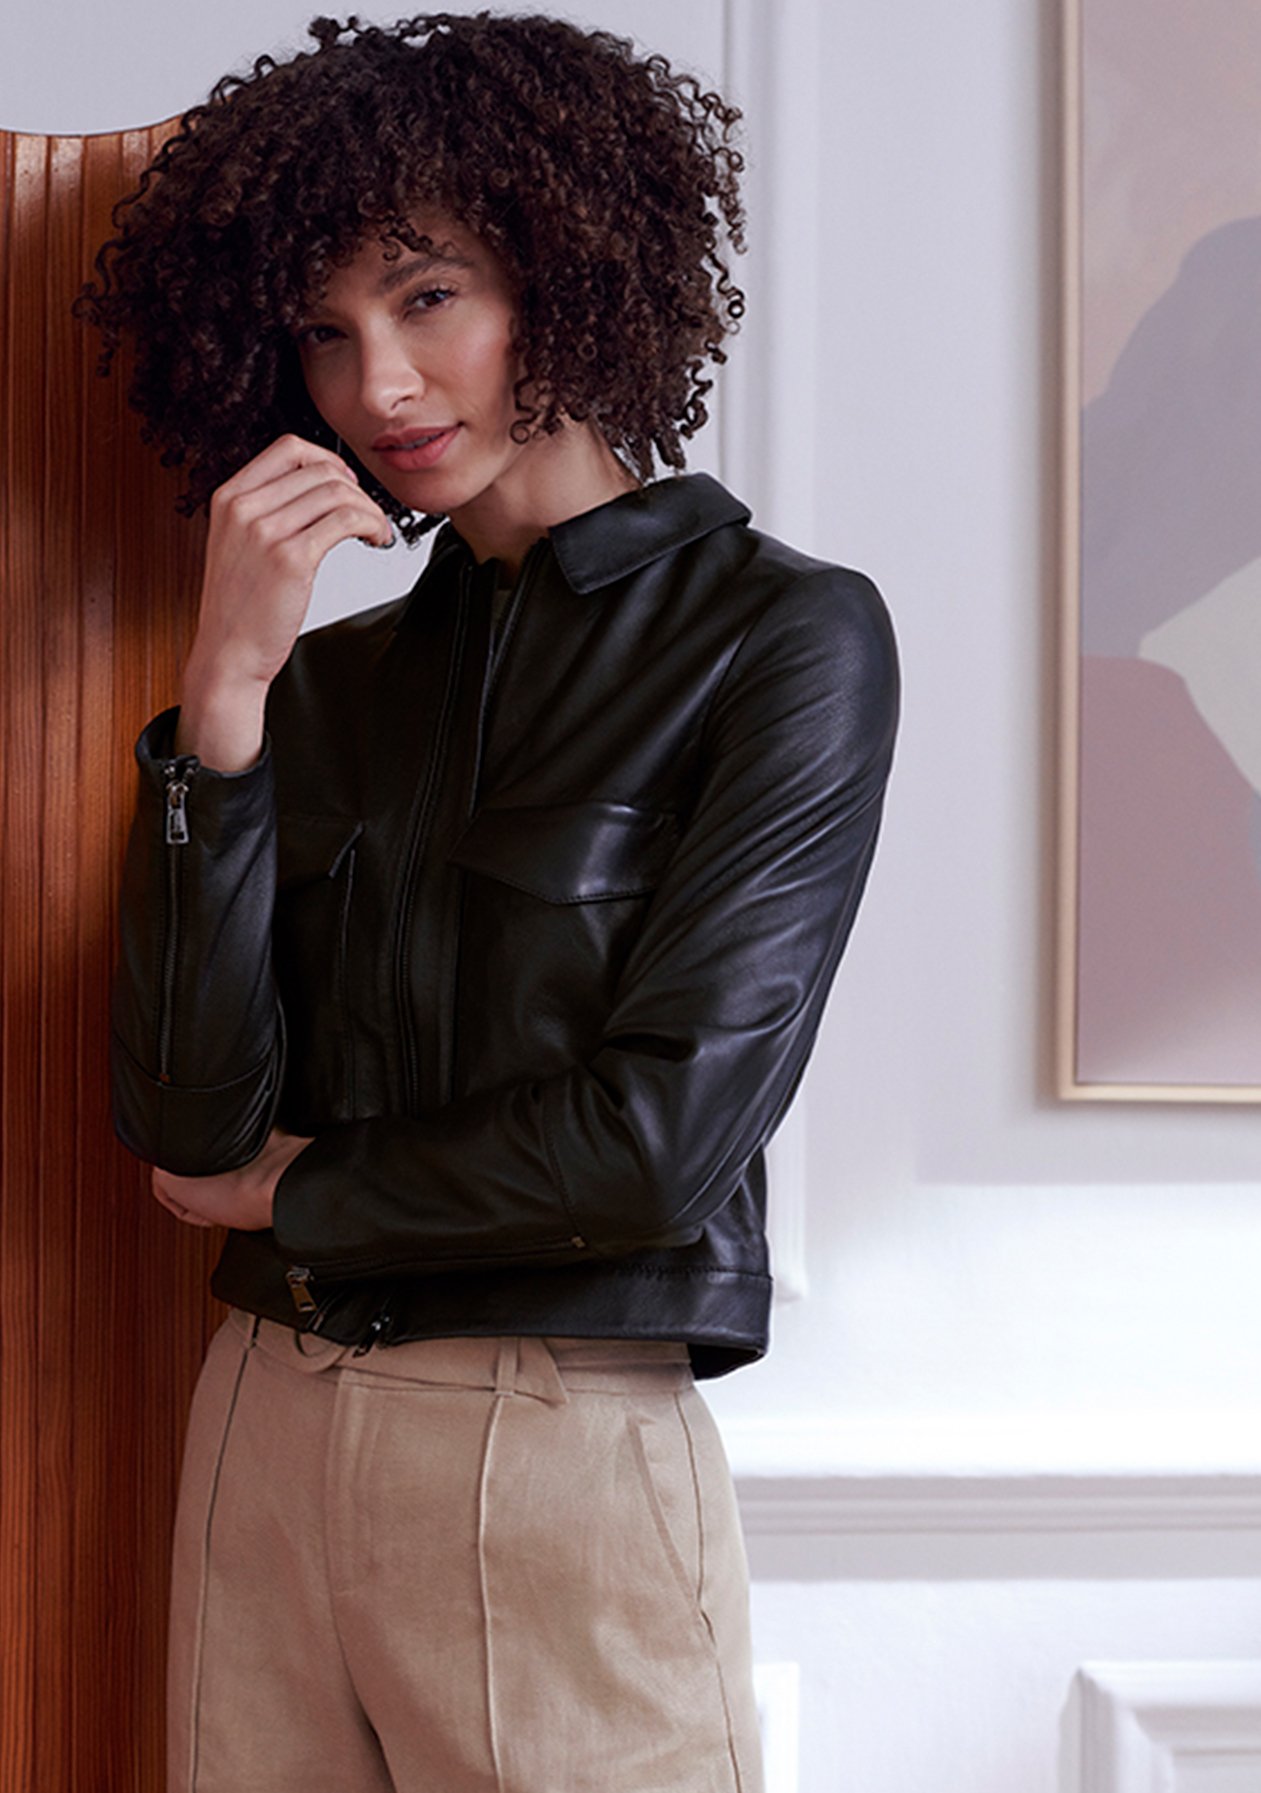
(176,774)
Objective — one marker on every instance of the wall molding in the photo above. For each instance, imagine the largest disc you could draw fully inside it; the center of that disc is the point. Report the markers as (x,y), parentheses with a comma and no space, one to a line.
(772,68)
(1147,1725)
(823,1506)
(1024,1473)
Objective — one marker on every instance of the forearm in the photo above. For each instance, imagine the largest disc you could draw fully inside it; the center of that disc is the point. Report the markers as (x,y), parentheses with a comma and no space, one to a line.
(475,1183)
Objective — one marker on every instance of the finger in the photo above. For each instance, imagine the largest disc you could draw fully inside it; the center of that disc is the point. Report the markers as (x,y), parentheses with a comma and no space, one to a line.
(262,506)
(248,504)
(305,507)
(298,554)
(187,1215)
(177,1208)
(282,456)
(344,524)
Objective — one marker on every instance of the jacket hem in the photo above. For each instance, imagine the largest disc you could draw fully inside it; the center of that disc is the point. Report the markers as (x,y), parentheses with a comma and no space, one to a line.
(721,1315)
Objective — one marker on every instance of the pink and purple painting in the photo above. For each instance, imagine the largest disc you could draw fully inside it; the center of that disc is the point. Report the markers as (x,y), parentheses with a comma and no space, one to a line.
(1165,586)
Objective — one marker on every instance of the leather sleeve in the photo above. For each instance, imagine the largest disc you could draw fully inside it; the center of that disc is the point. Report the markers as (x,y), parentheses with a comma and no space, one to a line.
(206,874)
(714,1015)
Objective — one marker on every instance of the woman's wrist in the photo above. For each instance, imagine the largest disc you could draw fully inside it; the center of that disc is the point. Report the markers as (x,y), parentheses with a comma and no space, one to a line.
(221,717)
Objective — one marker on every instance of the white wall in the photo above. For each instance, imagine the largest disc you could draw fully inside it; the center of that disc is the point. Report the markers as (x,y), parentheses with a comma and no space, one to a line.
(978,1248)
(1013,1427)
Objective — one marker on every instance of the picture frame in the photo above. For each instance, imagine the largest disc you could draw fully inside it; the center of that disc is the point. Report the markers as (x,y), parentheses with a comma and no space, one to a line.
(1159,903)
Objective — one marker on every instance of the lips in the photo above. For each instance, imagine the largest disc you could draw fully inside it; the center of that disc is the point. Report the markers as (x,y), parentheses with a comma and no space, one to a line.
(412,449)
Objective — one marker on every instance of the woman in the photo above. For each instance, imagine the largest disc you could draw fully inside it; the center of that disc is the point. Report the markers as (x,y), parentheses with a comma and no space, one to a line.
(473,946)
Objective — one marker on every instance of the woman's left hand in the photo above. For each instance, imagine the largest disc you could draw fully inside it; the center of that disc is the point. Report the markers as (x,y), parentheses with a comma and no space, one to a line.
(237,1198)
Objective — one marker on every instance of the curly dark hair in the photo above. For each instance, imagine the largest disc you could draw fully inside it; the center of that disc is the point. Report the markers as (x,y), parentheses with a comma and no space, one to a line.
(605,183)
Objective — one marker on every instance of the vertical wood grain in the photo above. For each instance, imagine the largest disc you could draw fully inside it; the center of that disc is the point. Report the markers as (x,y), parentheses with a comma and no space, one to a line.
(104,1311)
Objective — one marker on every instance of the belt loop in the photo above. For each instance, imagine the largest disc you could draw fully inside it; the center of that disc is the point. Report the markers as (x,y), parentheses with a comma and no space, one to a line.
(506,1366)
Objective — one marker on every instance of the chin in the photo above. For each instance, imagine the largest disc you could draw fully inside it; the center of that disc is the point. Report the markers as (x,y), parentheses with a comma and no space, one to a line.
(434,497)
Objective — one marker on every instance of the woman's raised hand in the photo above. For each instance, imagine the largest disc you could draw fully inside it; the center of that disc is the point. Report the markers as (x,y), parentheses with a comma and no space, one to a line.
(271,525)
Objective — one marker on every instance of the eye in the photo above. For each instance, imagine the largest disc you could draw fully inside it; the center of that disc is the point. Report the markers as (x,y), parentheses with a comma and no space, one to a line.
(310,336)
(429,298)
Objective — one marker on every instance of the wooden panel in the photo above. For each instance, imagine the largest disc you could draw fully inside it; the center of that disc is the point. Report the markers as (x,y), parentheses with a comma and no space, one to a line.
(104,1312)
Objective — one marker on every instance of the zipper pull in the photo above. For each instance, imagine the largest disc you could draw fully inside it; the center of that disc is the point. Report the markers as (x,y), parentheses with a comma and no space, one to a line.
(176,813)
(299,1279)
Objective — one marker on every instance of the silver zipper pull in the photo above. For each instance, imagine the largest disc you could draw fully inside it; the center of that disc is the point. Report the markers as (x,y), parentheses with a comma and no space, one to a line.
(299,1279)
(176,813)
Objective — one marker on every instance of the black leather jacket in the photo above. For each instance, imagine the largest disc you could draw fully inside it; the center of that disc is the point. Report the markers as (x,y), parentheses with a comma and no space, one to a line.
(535,942)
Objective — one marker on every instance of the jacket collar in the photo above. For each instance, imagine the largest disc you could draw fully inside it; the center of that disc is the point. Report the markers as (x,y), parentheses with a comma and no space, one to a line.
(628,533)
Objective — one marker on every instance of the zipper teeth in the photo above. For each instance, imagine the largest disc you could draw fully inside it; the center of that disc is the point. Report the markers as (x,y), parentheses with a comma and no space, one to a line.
(168,967)
(498,655)
(424,811)
(457,962)
(437,766)
(494,673)
(176,775)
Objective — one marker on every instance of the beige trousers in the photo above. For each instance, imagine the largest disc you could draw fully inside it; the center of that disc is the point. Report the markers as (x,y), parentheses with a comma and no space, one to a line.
(456,1566)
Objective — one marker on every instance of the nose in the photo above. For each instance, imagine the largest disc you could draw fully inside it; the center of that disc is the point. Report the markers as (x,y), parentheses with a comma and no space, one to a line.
(388,375)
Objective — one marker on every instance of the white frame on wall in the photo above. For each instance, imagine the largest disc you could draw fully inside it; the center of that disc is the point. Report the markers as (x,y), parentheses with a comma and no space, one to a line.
(1069,1084)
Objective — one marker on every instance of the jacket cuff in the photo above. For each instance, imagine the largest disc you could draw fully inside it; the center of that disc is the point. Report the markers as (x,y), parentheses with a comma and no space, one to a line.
(155,750)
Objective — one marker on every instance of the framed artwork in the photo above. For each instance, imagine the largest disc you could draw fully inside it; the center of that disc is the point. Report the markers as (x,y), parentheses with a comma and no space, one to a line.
(1159,984)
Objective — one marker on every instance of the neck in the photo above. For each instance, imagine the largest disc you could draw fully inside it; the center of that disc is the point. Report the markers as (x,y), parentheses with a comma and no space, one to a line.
(553,478)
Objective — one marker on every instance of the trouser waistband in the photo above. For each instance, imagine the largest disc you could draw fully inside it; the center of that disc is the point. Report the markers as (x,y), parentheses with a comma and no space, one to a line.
(548,1368)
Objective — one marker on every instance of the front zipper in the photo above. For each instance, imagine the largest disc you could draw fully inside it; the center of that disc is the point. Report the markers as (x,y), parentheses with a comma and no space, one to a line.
(497,653)
(424,809)
(176,774)
(422,817)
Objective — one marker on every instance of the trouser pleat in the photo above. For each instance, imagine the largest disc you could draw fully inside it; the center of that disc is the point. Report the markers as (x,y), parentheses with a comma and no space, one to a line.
(488,1620)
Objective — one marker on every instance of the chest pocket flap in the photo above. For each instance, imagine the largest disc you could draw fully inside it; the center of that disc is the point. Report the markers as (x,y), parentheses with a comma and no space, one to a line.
(309,847)
(570,852)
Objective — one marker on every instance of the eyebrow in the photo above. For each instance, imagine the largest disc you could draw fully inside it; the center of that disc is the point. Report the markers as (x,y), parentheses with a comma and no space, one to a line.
(404,270)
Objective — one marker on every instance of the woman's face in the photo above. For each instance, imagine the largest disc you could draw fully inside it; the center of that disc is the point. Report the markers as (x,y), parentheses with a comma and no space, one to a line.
(411,363)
